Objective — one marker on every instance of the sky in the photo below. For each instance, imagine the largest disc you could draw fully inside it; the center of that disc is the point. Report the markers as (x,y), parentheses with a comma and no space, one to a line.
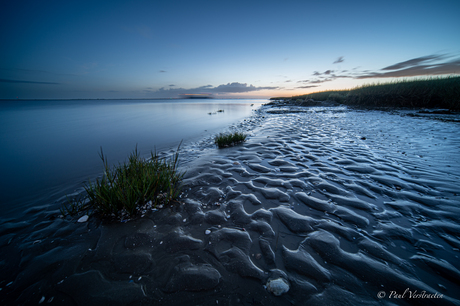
(225,49)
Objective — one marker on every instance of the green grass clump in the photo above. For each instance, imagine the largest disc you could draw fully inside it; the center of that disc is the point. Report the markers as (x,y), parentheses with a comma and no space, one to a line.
(421,93)
(126,188)
(229,139)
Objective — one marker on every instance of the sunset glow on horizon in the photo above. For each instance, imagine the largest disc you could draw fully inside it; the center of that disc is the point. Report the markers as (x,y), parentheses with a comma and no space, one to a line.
(243,49)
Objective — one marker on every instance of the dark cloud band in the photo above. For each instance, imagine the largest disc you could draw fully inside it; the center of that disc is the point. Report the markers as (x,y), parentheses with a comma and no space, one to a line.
(433,64)
(228,88)
(27,82)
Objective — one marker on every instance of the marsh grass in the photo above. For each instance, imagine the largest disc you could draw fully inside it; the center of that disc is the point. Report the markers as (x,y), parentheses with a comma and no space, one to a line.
(127,187)
(229,139)
(424,93)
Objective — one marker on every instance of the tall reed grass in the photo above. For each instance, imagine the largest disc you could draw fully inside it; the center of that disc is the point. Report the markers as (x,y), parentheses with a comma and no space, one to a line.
(424,93)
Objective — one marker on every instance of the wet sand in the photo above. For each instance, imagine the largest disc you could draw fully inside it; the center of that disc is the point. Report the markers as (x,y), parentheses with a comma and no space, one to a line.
(340,207)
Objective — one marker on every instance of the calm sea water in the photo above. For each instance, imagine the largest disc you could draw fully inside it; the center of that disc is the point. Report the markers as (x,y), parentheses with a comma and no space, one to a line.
(48,147)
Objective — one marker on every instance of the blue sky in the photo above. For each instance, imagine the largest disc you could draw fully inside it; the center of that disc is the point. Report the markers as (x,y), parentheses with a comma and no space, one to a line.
(230,49)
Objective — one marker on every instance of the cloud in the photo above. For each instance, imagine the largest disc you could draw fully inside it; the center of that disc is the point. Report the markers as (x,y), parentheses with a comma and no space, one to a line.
(229,88)
(421,66)
(237,88)
(27,82)
(308,86)
(414,62)
(339,60)
(317,81)
(433,64)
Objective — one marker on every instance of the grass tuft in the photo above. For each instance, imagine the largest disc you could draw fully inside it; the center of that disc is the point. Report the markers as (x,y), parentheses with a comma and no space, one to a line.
(229,139)
(126,188)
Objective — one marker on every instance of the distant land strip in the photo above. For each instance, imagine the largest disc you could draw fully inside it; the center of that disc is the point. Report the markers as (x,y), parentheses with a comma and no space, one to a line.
(420,93)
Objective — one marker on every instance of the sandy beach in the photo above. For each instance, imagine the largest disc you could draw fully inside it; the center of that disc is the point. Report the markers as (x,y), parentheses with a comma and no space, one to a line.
(320,206)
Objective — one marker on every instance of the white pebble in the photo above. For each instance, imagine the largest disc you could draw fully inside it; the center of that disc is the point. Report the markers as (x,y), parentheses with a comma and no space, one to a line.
(83,219)
(207,232)
(277,286)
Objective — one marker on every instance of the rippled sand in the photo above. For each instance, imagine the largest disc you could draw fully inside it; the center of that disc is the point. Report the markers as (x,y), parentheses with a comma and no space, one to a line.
(346,207)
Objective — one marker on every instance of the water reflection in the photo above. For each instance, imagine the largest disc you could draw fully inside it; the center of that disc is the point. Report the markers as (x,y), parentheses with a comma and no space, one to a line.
(48,145)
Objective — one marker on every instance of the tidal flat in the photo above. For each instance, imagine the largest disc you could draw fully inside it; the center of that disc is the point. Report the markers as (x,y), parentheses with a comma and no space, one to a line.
(346,207)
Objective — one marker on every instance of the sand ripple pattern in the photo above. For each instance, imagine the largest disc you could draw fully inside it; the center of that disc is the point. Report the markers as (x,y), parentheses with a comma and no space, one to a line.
(313,197)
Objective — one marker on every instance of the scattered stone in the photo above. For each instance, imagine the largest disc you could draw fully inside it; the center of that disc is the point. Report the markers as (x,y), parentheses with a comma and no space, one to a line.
(277,286)
(83,219)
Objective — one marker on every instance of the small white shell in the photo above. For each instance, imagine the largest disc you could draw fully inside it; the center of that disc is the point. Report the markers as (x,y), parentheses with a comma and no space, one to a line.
(83,219)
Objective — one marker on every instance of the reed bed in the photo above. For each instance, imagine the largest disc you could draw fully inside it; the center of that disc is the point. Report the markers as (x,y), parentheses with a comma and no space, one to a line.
(420,93)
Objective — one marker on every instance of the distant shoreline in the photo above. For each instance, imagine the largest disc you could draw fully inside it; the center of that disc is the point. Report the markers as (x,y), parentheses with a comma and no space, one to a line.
(425,93)
(134,99)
